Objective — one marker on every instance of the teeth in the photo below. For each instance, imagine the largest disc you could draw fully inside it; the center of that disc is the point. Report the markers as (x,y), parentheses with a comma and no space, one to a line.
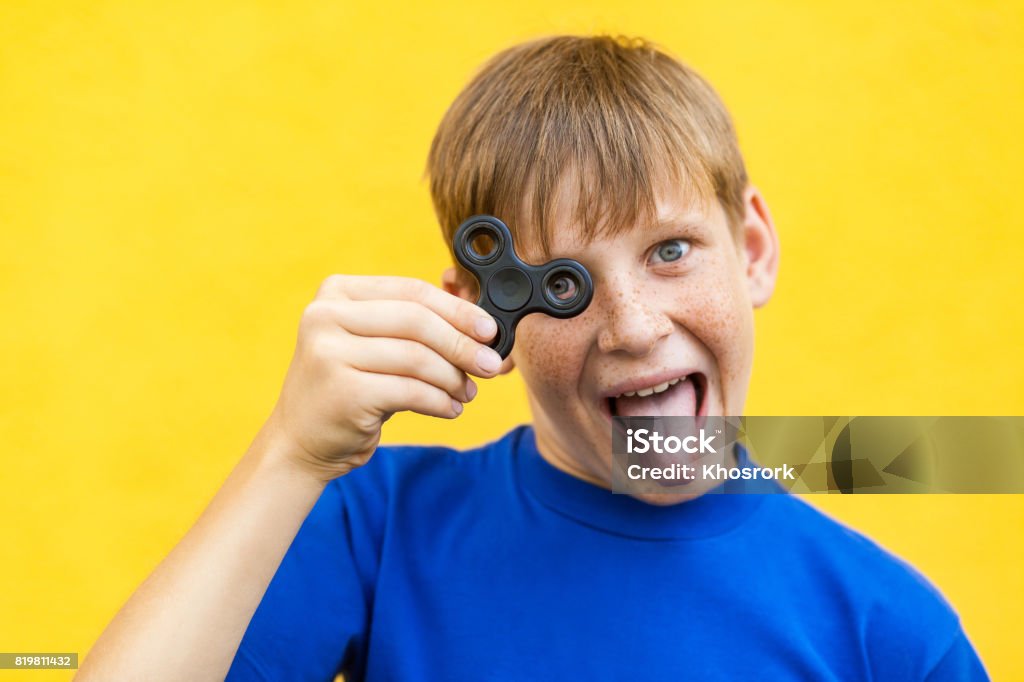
(644,392)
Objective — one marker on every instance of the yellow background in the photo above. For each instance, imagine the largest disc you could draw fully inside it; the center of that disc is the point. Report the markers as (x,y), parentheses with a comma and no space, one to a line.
(177,178)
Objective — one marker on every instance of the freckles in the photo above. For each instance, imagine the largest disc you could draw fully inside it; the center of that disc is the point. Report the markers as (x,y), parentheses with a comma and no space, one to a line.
(712,310)
(548,358)
(708,307)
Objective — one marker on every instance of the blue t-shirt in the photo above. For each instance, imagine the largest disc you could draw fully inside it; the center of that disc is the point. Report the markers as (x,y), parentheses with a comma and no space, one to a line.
(491,564)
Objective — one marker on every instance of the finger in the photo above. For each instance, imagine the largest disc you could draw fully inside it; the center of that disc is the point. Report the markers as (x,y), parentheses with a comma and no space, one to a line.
(467,317)
(415,322)
(410,359)
(395,393)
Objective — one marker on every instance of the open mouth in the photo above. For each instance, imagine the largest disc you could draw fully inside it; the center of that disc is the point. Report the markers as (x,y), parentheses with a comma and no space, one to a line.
(683,396)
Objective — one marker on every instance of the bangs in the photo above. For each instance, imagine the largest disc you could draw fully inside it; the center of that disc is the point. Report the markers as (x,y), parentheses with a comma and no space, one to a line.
(595,197)
(581,134)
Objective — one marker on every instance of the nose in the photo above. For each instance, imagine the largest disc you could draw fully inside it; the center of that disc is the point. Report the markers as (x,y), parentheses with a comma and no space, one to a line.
(633,320)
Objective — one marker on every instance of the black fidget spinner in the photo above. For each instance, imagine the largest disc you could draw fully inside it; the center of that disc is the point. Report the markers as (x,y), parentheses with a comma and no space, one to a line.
(509,288)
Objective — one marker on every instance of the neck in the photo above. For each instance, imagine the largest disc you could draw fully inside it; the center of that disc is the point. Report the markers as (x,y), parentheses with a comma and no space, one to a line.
(596,470)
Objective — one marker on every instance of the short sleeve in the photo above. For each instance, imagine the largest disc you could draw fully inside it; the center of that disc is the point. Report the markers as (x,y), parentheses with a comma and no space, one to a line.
(312,620)
(960,663)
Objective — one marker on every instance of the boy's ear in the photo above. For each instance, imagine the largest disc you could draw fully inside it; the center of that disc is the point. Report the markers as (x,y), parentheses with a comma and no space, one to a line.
(450,283)
(760,247)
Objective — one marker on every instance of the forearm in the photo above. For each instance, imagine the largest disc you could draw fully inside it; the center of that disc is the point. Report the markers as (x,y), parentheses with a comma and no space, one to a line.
(186,620)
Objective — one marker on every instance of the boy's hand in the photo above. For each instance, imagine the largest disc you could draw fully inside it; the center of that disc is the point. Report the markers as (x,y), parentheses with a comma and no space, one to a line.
(369,347)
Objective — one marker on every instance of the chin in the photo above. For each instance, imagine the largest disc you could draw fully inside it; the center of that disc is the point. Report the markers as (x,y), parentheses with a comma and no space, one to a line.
(665,499)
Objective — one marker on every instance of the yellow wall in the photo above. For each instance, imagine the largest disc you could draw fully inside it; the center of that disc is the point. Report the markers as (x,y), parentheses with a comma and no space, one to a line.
(177,178)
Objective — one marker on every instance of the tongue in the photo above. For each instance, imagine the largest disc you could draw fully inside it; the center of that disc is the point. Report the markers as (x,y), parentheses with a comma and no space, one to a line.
(679,400)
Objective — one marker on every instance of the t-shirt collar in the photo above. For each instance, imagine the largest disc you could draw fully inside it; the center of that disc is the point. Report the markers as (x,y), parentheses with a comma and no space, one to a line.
(713,513)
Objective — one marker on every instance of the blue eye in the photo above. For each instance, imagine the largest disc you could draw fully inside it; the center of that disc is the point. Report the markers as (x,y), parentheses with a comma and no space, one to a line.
(673,249)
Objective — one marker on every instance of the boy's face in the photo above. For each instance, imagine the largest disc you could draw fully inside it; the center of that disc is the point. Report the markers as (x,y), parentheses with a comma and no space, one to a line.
(673,300)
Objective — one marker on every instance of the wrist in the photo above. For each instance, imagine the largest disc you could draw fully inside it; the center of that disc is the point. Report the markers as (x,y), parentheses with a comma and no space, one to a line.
(275,452)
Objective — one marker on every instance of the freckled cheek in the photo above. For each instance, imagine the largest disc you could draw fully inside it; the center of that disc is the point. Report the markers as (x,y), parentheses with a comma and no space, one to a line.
(549,354)
(716,310)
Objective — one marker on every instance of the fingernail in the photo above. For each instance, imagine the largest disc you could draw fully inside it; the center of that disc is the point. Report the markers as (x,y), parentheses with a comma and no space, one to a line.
(456,406)
(470,388)
(486,327)
(488,360)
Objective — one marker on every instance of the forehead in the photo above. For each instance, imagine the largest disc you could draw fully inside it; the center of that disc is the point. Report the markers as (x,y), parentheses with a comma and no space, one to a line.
(674,209)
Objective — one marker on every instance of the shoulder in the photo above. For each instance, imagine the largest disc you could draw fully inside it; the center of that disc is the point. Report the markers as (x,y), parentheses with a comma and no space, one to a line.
(905,622)
(847,551)
(429,470)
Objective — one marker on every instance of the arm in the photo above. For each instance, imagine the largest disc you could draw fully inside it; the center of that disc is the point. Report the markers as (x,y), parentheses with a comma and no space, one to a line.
(367,347)
(187,619)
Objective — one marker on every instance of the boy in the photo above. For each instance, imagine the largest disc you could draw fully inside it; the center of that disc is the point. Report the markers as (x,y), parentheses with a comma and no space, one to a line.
(514,561)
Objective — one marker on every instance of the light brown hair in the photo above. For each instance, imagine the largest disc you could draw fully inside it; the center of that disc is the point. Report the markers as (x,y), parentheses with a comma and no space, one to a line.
(617,116)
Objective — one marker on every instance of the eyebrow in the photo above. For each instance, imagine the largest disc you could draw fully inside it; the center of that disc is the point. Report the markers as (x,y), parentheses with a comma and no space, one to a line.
(686,224)
(682,223)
